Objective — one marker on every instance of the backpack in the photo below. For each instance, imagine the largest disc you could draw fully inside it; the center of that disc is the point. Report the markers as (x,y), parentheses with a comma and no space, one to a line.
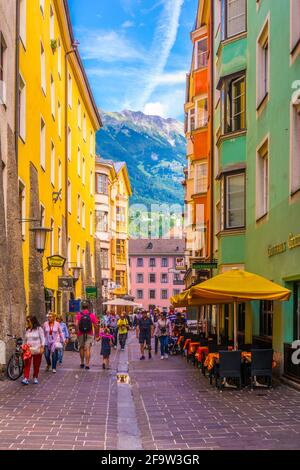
(85,323)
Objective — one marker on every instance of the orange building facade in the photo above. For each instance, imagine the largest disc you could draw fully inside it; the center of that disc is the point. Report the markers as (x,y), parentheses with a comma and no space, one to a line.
(198,203)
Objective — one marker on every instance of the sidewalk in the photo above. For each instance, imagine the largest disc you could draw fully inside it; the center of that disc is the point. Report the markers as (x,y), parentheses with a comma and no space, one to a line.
(166,405)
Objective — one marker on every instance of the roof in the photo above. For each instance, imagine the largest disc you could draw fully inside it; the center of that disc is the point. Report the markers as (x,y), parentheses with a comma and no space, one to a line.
(159,246)
(119,166)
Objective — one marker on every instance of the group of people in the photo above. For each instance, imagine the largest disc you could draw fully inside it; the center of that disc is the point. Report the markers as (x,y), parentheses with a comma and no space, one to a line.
(51,338)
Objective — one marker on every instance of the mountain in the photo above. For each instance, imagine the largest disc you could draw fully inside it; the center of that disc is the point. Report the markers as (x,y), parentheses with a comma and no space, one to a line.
(153,149)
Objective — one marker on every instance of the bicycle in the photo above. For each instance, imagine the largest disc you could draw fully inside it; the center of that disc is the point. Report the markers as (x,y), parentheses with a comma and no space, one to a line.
(15,363)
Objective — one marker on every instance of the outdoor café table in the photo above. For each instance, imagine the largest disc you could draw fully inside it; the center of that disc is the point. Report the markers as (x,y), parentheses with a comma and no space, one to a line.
(192,347)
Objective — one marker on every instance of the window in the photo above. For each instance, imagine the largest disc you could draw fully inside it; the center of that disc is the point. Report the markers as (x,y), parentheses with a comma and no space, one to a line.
(140,262)
(262,65)
(164,278)
(59,119)
(69,249)
(201,178)
(140,278)
(101,221)
(295,147)
(23,21)
(69,144)
(43,69)
(59,241)
(101,183)
(78,208)
(233,105)
(83,215)
(22,208)
(22,109)
(152,262)
(262,181)
(51,24)
(78,161)
(59,57)
(69,197)
(52,249)
(152,278)
(52,93)
(121,251)
(191,120)
(3,69)
(164,262)
(91,143)
(152,294)
(70,91)
(164,294)
(79,114)
(235,201)
(92,266)
(140,294)
(78,256)
(295,24)
(42,5)
(52,166)
(83,171)
(120,278)
(84,127)
(176,291)
(59,175)
(91,224)
(202,113)
(234,17)
(83,262)
(42,215)
(201,53)
(266,318)
(43,144)
(104,258)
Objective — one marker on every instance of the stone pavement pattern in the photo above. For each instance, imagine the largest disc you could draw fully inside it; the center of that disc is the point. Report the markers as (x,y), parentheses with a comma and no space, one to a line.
(173,407)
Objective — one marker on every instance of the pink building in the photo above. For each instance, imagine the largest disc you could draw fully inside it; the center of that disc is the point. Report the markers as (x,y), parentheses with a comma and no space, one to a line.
(156,270)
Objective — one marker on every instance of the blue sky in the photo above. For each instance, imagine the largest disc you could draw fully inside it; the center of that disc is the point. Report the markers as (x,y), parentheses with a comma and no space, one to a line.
(136,52)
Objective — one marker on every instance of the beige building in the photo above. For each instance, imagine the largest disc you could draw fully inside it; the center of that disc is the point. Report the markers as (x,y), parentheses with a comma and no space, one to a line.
(112,192)
(12,294)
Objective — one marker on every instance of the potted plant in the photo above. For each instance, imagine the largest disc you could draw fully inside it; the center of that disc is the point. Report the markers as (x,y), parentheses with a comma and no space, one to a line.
(53,44)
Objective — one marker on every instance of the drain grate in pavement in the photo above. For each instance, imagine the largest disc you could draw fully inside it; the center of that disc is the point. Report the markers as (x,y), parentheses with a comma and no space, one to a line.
(123,378)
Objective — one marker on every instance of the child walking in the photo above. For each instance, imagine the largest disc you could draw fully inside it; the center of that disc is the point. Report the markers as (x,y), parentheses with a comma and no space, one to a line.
(106,344)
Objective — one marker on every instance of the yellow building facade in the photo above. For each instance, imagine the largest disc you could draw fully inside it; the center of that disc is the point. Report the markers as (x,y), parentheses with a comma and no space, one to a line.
(58,119)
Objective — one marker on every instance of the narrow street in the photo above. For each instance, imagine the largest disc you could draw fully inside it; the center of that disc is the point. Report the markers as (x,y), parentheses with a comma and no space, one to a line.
(173,407)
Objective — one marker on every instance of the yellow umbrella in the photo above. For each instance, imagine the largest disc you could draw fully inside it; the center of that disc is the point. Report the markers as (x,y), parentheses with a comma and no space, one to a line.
(180,300)
(236,286)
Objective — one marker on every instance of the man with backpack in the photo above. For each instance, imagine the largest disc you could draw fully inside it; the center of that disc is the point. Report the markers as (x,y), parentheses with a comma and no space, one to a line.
(85,323)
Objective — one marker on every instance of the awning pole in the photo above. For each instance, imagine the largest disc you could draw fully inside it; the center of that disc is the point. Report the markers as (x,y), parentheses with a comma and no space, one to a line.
(235,325)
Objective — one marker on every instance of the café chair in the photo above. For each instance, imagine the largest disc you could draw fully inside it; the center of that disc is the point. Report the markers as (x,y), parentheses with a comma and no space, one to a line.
(229,367)
(261,365)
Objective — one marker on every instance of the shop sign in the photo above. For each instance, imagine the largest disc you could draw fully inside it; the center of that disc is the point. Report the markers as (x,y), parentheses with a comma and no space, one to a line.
(66,283)
(205,265)
(56,261)
(293,242)
(91,292)
(180,264)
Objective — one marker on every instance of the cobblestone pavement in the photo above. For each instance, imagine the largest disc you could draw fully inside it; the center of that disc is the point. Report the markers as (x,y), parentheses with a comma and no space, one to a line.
(173,407)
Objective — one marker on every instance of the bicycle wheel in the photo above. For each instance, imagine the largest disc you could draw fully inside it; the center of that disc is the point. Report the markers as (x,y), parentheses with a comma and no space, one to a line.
(15,367)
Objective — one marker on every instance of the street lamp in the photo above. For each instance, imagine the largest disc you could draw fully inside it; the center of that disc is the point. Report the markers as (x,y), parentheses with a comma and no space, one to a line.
(40,237)
(76,272)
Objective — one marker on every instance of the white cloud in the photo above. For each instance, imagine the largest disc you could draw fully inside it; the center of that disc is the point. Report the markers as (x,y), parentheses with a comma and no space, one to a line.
(108,46)
(127,24)
(154,109)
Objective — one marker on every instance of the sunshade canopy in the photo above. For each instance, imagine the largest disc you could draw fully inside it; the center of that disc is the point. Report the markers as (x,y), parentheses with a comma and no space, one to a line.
(122,303)
(231,286)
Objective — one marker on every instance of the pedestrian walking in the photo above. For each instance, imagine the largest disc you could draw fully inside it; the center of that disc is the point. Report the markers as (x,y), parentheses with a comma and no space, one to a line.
(53,341)
(106,344)
(35,339)
(163,331)
(144,333)
(112,324)
(122,330)
(87,326)
(156,315)
(66,335)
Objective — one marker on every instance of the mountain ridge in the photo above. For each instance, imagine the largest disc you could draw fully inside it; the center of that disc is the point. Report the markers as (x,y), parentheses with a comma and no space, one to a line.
(153,149)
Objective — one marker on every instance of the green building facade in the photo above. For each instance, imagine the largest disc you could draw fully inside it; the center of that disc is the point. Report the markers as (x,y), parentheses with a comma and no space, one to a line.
(257,155)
